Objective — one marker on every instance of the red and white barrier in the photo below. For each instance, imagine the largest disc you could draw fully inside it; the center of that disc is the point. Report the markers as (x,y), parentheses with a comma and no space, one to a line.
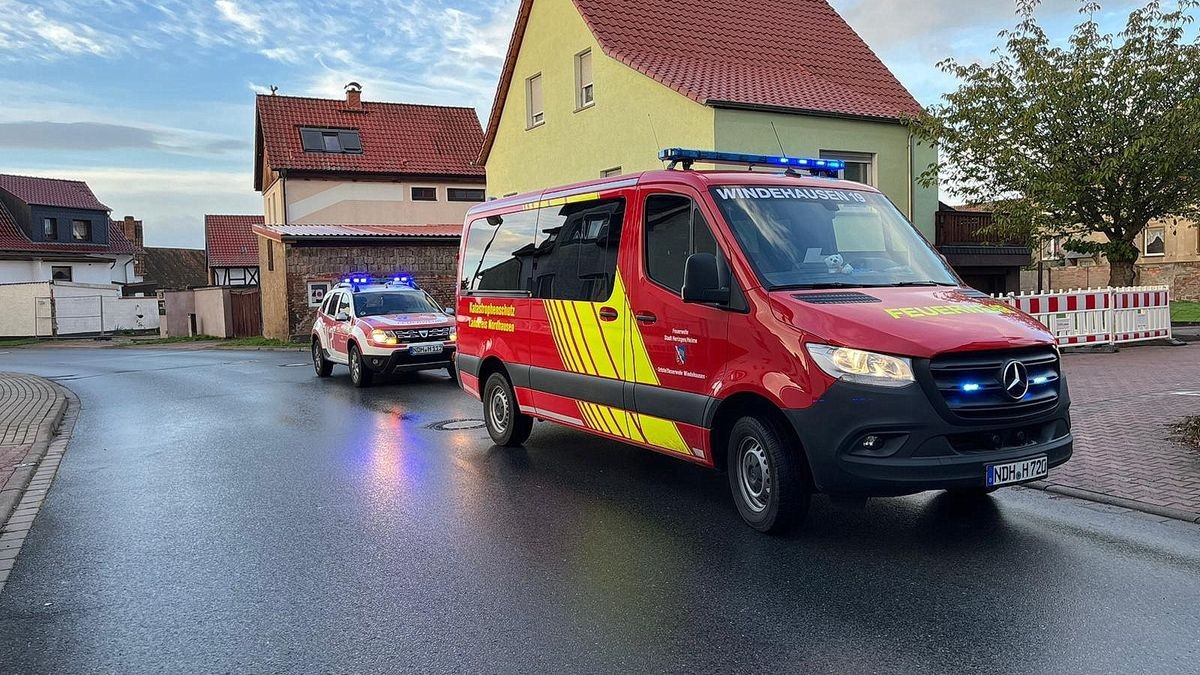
(1100,315)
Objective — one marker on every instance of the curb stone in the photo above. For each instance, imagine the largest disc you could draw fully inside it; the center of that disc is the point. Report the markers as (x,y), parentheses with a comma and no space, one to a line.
(50,451)
(1101,498)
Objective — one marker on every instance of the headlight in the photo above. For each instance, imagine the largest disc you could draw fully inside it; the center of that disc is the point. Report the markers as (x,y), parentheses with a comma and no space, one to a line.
(382,337)
(453,335)
(855,365)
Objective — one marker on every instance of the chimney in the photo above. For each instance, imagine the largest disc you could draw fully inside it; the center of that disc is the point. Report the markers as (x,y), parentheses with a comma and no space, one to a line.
(132,229)
(354,96)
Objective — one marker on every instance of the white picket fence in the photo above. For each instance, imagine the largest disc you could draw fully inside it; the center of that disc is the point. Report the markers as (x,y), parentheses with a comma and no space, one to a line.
(1100,315)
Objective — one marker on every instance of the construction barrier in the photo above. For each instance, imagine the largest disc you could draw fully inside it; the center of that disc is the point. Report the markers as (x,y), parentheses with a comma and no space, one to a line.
(1100,315)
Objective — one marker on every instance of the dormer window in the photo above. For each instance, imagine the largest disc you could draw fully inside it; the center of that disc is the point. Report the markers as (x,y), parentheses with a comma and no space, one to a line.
(335,141)
(81,230)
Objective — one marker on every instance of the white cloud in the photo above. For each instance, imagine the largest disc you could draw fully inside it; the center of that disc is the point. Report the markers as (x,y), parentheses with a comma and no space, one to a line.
(248,22)
(27,30)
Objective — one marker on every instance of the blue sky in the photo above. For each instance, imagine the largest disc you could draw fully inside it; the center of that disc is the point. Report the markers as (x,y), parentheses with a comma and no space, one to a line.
(152,102)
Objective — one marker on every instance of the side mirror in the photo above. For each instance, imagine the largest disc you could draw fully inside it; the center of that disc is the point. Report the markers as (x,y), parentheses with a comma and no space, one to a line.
(702,280)
(341,316)
(450,311)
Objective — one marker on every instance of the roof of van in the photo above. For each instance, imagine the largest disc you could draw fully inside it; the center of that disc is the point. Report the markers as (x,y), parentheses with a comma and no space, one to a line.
(697,179)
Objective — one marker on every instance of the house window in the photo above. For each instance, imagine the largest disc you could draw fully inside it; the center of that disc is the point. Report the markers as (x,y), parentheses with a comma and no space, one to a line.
(533,99)
(58,273)
(465,194)
(337,141)
(609,173)
(270,256)
(860,166)
(50,228)
(81,230)
(584,90)
(1156,242)
(316,292)
(1052,248)
(424,194)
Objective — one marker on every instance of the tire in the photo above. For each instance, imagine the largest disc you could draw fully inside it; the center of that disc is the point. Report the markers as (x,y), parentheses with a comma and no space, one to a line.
(322,365)
(768,479)
(506,424)
(360,375)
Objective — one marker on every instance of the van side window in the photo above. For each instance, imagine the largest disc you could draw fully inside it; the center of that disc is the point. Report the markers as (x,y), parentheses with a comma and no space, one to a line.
(498,256)
(675,229)
(576,256)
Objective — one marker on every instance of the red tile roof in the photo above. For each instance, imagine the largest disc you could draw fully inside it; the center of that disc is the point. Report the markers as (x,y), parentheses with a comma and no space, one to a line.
(230,240)
(796,55)
(67,194)
(278,232)
(13,239)
(397,138)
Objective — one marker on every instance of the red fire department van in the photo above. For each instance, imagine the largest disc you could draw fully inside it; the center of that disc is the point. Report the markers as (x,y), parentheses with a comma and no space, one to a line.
(789,328)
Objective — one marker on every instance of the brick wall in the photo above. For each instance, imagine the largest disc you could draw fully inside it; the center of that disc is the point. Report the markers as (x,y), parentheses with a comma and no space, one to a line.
(1182,278)
(132,229)
(434,265)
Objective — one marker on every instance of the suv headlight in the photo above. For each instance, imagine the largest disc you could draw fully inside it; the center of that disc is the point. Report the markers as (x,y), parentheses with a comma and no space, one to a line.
(856,365)
(382,337)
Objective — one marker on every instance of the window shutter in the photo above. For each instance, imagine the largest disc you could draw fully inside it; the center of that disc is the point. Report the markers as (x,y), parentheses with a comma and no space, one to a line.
(536,114)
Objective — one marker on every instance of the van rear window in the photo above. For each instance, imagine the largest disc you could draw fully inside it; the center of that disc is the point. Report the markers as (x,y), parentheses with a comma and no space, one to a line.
(560,252)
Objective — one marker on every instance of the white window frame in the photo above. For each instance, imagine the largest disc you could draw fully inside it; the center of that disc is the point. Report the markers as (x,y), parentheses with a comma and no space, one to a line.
(869,158)
(312,286)
(584,89)
(1146,241)
(534,118)
(1055,245)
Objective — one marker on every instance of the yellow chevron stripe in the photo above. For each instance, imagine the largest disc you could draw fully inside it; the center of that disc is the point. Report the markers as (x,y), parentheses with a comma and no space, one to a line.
(561,342)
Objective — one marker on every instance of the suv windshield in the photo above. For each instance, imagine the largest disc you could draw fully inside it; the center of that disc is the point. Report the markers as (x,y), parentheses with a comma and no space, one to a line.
(799,237)
(393,302)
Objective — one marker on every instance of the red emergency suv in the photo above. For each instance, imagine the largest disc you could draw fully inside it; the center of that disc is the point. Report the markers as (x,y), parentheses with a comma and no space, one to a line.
(794,330)
(380,327)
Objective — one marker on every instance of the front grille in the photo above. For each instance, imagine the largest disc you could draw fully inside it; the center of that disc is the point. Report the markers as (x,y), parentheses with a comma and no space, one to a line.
(970,383)
(414,335)
(849,298)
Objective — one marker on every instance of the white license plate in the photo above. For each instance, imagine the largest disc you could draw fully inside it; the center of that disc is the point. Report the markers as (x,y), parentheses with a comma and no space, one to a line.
(1017,472)
(418,350)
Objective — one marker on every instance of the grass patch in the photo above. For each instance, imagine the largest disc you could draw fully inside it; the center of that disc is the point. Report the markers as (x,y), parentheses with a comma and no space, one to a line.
(1187,432)
(216,342)
(1185,311)
(18,342)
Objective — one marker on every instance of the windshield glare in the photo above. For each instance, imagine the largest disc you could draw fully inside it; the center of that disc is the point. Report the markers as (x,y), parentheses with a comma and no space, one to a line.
(797,237)
(379,304)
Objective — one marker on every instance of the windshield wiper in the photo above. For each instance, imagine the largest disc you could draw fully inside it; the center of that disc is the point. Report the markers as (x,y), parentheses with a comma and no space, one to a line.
(825,285)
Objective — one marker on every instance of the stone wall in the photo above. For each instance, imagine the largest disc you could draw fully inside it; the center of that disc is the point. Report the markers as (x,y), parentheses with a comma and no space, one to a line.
(1182,278)
(434,265)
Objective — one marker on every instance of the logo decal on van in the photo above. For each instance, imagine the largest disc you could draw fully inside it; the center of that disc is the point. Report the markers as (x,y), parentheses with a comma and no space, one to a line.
(681,354)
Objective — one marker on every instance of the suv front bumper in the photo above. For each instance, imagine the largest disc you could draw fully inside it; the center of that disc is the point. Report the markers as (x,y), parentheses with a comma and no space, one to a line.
(925,450)
(401,360)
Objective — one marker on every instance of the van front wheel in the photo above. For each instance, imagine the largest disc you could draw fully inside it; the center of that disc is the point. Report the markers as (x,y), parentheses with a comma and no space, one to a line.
(506,424)
(769,484)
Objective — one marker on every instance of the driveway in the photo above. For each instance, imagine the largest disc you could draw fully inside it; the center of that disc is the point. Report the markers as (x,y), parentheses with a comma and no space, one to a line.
(228,512)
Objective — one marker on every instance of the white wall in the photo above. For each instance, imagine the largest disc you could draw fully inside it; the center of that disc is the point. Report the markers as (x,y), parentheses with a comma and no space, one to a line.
(19,303)
(18,271)
(77,309)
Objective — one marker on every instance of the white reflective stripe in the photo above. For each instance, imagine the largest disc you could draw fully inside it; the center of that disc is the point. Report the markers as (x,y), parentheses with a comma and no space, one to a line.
(554,417)
(528,410)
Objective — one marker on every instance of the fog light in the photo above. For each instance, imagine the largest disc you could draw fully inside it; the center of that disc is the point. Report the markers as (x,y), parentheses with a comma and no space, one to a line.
(878,445)
(871,442)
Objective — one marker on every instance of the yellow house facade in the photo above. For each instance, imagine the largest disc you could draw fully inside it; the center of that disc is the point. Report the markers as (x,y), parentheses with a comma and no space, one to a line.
(581,98)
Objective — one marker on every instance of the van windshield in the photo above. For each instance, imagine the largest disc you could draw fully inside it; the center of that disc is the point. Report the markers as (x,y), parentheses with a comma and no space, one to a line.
(800,237)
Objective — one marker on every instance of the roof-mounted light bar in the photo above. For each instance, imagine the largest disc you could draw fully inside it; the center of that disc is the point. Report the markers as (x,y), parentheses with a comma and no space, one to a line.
(819,167)
(356,281)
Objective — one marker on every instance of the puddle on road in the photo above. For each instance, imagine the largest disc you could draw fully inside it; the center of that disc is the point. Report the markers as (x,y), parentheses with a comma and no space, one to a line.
(457,425)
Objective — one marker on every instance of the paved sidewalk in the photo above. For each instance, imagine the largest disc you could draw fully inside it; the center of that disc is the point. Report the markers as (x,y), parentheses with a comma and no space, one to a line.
(1122,407)
(31,410)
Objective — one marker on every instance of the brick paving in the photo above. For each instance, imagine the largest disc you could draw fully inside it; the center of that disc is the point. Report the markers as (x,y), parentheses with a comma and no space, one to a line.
(26,402)
(1122,407)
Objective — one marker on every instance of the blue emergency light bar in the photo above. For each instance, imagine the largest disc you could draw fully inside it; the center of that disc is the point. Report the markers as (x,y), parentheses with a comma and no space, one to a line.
(357,280)
(826,167)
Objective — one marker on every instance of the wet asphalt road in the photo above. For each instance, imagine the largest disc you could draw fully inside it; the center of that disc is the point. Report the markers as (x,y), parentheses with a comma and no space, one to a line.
(228,512)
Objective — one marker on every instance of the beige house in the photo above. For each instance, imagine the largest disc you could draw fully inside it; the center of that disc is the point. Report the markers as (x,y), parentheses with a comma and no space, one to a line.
(350,162)
(354,187)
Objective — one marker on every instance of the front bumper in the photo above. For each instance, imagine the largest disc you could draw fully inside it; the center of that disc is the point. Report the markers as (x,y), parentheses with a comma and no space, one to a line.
(927,449)
(401,360)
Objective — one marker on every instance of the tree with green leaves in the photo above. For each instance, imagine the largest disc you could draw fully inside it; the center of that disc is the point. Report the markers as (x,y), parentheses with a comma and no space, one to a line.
(1089,140)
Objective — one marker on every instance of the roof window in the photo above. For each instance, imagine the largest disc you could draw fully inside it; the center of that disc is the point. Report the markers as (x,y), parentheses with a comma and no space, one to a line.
(336,141)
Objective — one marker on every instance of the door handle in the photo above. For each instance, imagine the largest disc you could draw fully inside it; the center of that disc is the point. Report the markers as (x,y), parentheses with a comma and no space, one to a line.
(645,317)
(607,314)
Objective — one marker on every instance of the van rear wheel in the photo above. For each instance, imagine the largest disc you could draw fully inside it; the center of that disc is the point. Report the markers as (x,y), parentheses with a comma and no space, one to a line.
(769,483)
(506,424)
